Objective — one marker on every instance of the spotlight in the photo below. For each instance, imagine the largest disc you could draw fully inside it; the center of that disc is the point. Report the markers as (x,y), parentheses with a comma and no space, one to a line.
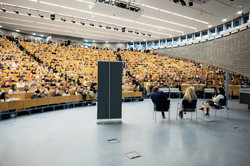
(63,19)
(137,33)
(176,1)
(190,3)
(123,29)
(143,34)
(29,13)
(183,3)
(107,27)
(149,34)
(16,11)
(116,29)
(52,17)
(91,24)
(41,15)
(130,31)
(82,23)
(100,26)
(3,8)
(73,21)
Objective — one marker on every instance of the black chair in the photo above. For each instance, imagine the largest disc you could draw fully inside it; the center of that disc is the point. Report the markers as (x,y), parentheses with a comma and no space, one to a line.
(188,107)
(161,106)
(221,106)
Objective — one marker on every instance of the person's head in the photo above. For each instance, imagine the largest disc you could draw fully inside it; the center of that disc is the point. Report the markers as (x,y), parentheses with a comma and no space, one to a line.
(56,90)
(221,91)
(58,85)
(45,91)
(190,94)
(20,81)
(38,86)
(6,83)
(34,81)
(37,92)
(4,95)
(155,89)
(26,86)
(66,91)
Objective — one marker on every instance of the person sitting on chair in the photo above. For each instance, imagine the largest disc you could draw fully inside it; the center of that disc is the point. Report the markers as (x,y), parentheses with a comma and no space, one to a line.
(158,95)
(188,98)
(216,99)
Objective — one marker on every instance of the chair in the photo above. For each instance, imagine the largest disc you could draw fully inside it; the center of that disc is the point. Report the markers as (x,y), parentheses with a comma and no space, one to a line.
(222,105)
(29,105)
(161,106)
(188,107)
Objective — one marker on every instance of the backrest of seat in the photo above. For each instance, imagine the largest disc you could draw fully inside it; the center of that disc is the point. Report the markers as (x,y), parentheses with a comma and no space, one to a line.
(162,105)
(4,106)
(223,102)
(187,105)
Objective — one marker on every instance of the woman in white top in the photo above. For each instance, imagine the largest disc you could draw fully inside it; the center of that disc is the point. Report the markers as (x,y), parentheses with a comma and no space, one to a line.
(66,92)
(216,99)
(20,84)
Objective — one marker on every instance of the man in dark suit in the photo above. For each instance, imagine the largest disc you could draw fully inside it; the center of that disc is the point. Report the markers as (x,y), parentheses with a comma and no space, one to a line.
(158,95)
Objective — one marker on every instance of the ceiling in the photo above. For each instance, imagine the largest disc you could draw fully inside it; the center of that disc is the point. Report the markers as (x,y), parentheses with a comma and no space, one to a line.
(160,19)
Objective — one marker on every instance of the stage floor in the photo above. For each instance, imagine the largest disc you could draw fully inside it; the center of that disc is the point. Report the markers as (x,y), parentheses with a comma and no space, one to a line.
(72,138)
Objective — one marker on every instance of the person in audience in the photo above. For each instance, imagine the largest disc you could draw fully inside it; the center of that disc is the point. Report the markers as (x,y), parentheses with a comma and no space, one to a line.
(66,92)
(58,86)
(20,84)
(1,90)
(30,75)
(47,86)
(4,97)
(43,82)
(13,89)
(158,95)
(77,92)
(38,87)
(53,82)
(33,83)
(216,99)
(36,95)
(56,93)
(45,93)
(26,88)
(188,98)
(6,84)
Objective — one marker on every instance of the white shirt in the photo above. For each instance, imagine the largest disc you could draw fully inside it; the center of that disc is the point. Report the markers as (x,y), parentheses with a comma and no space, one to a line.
(217,98)
(20,85)
(64,94)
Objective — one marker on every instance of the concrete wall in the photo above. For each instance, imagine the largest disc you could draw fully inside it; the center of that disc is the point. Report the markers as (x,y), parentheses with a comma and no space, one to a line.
(231,52)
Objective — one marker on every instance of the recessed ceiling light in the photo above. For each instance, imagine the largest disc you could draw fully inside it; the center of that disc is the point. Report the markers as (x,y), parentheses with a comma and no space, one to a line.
(144,40)
(209,26)
(107,41)
(239,12)
(42,35)
(93,41)
(1,26)
(86,40)
(224,20)
(18,30)
(33,34)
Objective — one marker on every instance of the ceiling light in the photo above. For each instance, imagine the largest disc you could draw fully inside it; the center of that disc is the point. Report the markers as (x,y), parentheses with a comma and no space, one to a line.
(41,15)
(224,20)
(107,41)
(93,41)
(176,1)
(52,17)
(190,3)
(73,21)
(149,34)
(33,34)
(144,39)
(63,19)
(41,35)
(16,11)
(86,40)
(183,3)
(29,13)
(82,23)
(91,24)
(3,8)
(239,12)
(100,26)
(209,26)
(1,26)
(18,30)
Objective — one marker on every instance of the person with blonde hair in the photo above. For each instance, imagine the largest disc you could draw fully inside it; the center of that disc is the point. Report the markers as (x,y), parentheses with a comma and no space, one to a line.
(188,98)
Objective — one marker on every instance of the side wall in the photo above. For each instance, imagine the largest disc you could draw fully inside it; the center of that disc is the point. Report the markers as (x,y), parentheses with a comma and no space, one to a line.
(231,52)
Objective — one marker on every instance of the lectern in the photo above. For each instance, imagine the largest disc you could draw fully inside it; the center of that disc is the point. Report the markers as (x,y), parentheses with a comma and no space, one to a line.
(109,106)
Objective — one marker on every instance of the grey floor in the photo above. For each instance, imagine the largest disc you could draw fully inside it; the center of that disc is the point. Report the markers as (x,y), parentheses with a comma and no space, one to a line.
(72,138)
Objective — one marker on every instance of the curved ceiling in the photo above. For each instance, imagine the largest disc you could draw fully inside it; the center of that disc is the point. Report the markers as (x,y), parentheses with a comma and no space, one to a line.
(160,18)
